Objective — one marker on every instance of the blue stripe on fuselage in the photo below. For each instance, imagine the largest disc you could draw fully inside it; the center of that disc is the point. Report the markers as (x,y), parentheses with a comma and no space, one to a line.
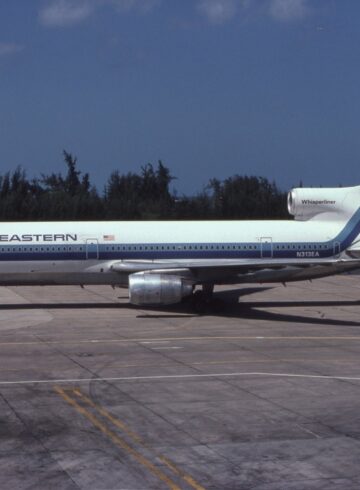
(349,232)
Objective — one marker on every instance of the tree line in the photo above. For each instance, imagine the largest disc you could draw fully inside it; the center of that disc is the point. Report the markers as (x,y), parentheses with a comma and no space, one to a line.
(134,196)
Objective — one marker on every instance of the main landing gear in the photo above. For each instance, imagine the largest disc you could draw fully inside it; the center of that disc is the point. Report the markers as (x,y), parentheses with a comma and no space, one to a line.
(203,301)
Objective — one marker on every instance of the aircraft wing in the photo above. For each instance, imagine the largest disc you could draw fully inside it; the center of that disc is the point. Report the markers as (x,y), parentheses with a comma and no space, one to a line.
(241,270)
(132,266)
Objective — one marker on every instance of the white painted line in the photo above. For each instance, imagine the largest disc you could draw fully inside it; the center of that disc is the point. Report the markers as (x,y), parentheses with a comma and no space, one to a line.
(172,339)
(308,431)
(177,376)
(166,347)
(156,342)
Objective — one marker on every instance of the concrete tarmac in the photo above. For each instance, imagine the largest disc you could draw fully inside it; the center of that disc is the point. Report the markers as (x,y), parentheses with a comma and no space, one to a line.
(98,395)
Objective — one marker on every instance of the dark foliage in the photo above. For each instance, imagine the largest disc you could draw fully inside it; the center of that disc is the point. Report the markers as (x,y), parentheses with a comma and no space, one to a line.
(132,196)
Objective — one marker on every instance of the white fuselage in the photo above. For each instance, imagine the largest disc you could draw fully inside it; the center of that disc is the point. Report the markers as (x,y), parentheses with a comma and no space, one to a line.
(84,252)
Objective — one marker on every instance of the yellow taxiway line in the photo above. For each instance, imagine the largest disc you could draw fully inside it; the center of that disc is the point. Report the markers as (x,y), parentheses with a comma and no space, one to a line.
(120,442)
(136,438)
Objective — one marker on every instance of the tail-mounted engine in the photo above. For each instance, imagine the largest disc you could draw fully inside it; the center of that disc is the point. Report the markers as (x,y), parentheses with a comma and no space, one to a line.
(157,289)
(306,204)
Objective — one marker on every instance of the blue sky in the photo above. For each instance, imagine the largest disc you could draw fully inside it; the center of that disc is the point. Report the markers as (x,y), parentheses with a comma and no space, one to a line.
(211,87)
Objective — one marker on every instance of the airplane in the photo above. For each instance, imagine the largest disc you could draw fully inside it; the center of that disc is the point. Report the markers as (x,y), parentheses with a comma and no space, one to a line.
(163,262)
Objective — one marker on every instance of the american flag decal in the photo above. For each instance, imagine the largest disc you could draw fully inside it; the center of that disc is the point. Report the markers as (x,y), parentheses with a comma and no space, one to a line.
(109,238)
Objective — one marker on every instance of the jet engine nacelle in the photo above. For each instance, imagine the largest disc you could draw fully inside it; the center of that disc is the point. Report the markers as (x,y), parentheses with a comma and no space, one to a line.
(157,289)
(305,204)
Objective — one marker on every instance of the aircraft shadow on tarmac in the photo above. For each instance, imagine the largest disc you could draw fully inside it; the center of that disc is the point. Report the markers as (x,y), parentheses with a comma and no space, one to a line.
(231,308)
(257,310)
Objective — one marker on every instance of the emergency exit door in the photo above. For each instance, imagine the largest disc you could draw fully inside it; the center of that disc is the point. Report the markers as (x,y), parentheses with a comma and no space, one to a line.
(92,248)
(266,247)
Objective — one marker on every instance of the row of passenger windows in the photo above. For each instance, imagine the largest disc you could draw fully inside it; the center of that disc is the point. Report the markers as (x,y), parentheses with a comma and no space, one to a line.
(134,248)
(131,248)
(301,247)
(72,248)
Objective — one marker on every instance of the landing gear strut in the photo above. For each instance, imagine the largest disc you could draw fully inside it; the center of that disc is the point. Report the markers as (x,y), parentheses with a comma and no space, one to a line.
(203,301)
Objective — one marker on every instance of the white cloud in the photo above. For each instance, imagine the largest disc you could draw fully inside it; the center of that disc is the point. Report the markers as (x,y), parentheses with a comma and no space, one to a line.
(218,11)
(7,49)
(288,10)
(221,11)
(140,5)
(60,13)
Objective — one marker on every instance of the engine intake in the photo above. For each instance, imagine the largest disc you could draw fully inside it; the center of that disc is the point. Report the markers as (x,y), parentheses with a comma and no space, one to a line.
(157,289)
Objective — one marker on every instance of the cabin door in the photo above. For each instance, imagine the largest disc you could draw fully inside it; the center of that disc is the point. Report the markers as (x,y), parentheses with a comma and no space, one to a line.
(266,247)
(92,248)
(337,249)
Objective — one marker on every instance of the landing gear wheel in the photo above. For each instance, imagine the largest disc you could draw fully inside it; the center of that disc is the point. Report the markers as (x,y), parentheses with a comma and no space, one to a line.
(202,302)
(199,302)
(217,305)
